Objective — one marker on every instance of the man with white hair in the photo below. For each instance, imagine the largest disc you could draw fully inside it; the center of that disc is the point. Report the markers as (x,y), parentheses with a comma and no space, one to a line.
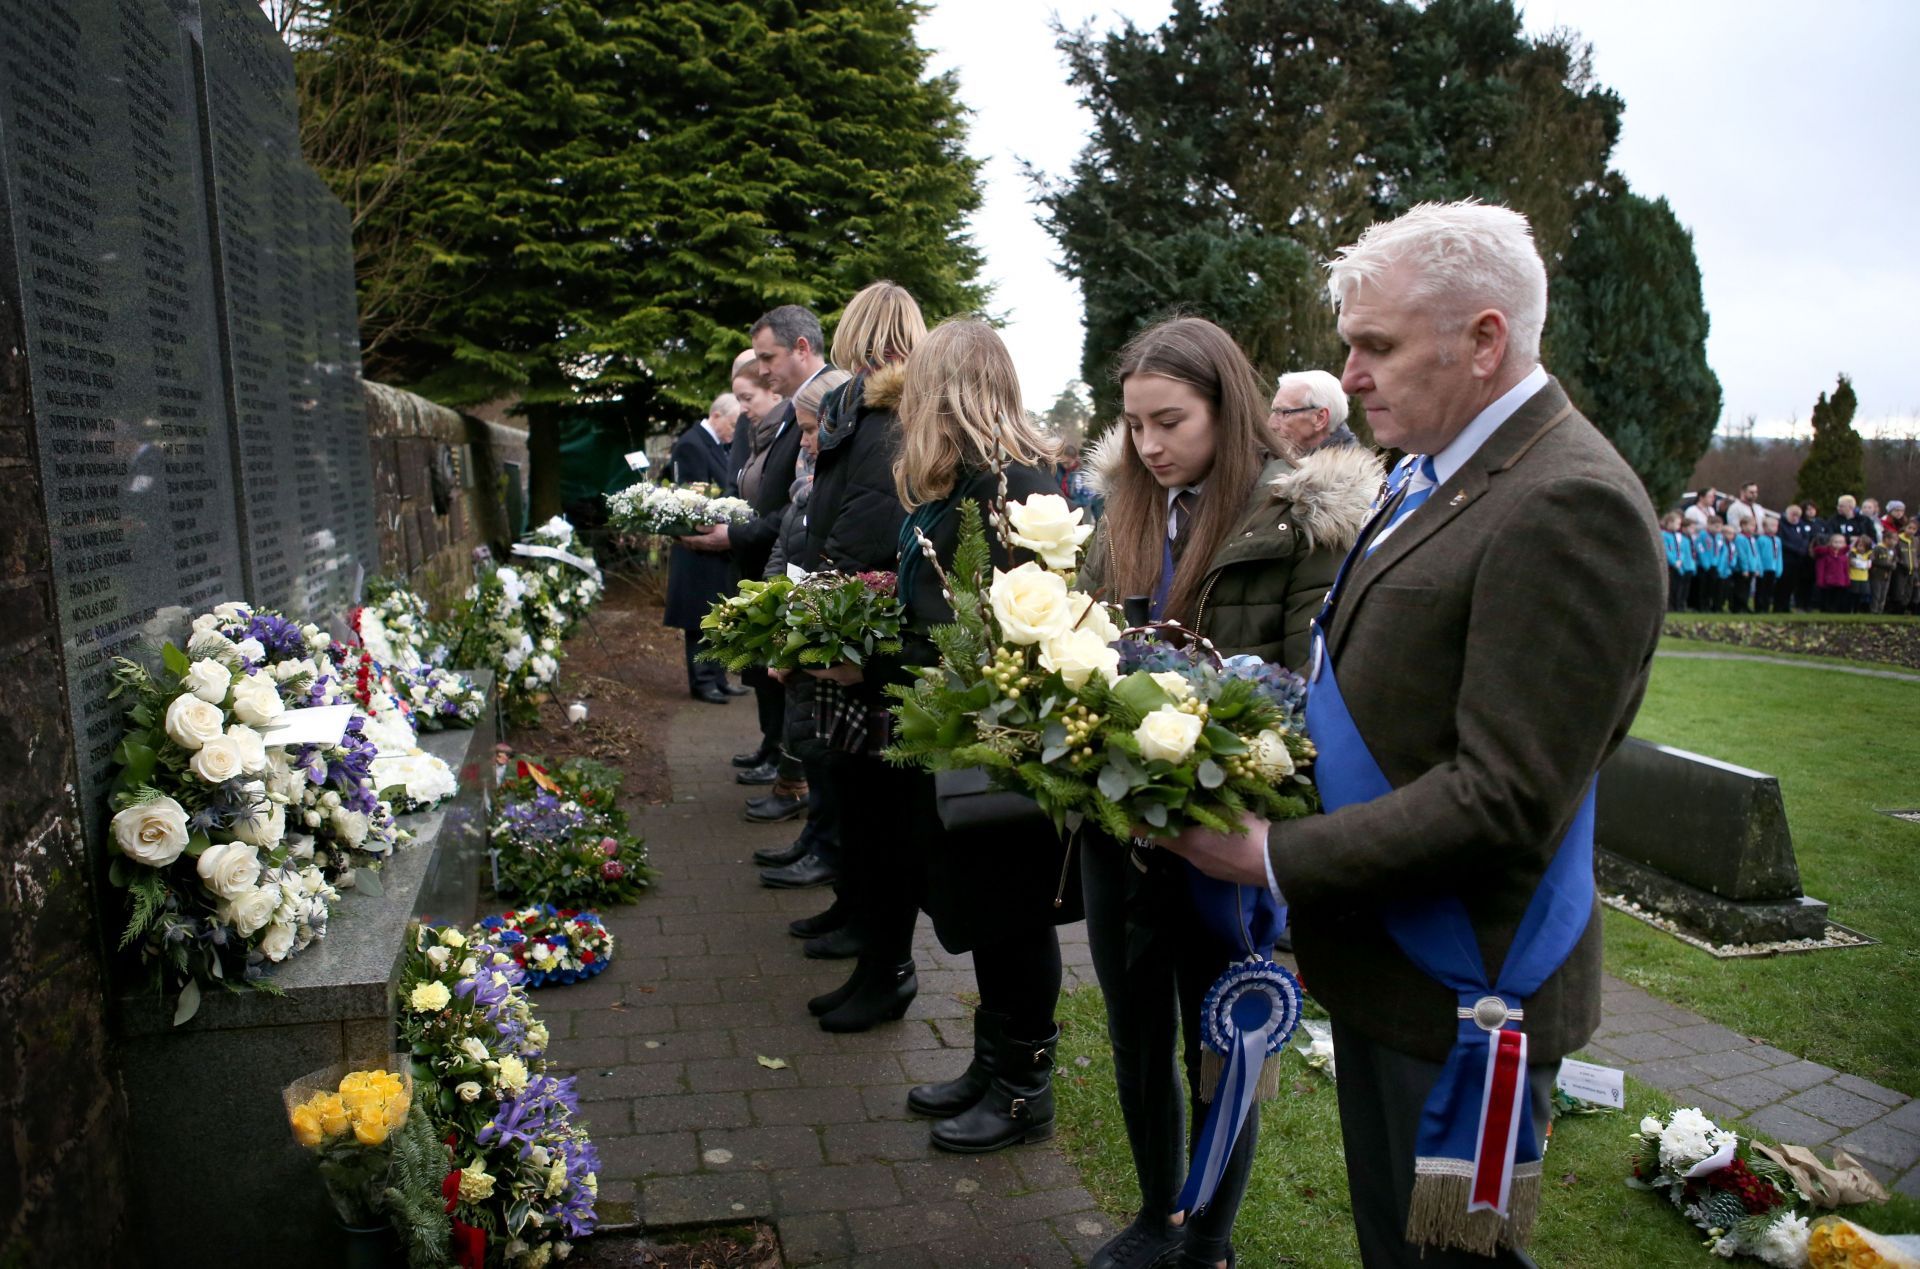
(697,573)
(1462,699)
(1309,411)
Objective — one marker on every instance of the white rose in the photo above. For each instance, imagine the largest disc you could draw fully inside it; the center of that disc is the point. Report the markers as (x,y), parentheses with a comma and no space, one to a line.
(1270,756)
(249,911)
(217,761)
(468,1091)
(208,643)
(264,827)
(231,611)
(474,1049)
(299,847)
(253,750)
(252,650)
(192,722)
(277,943)
(350,826)
(230,869)
(1168,733)
(255,701)
(1650,1126)
(1097,619)
(1078,655)
(439,956)
(1173,683)
(153,834)
(208,680)
(1030,604)
(1050,527)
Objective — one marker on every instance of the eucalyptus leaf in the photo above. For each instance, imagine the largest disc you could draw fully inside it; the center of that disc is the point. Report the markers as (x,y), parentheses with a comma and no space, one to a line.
(1210,774)
(1155,814)
(367,882)
(1113,782)
(189,1003)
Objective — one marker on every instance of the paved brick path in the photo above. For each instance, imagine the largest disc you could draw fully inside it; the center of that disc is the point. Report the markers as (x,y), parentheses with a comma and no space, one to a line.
(692,1129)
(1700,1063)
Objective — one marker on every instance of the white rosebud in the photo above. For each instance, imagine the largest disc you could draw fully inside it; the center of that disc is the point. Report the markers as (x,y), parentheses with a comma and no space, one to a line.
(1168,733)
(192,722)
(209,680)
(217,761)
(153,834)
(577,712)
(256,701)
(229,869)
(468,1091)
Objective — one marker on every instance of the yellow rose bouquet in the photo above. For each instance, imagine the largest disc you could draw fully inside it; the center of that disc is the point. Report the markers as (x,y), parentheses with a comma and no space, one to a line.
(346,1117)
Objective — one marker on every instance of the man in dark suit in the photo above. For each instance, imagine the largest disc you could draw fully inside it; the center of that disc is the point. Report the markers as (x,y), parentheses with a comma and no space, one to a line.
(698,573)
(1492,636)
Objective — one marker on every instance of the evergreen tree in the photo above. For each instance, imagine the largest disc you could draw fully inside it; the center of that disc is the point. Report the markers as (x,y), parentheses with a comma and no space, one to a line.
(1235,149)
(1835,462)
(1627,336)
(643,178)
(1070,417)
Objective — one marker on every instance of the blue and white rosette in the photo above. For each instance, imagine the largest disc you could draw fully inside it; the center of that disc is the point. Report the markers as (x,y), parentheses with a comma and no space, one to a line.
(1248,1016)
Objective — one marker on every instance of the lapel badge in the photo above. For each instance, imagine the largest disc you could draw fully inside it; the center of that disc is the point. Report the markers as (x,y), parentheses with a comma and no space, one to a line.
(1459,499)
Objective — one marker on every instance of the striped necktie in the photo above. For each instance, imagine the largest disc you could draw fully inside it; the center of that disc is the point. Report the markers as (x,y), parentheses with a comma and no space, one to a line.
(1184,504)
(1419,487)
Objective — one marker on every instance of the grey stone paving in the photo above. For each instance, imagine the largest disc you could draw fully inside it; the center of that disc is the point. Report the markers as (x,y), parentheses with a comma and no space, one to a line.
(1699,1063)
(1800,663)
(693,1129)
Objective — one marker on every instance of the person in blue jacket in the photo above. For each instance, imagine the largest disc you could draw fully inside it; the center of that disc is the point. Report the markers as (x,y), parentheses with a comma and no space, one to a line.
(1706,561)
(1773,564)
(1679,561)
(1746,565)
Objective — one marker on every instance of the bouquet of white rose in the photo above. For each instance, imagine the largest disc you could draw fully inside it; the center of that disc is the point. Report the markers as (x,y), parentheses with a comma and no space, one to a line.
(1036,685)
(672,510)
(497,630)
(199,836)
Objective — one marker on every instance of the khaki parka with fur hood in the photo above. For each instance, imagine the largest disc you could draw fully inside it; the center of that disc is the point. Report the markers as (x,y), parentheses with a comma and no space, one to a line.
(1267,580)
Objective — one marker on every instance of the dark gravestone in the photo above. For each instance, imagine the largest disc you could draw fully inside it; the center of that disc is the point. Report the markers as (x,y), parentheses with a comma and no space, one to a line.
(287,323)
(1702,842)
(106,258)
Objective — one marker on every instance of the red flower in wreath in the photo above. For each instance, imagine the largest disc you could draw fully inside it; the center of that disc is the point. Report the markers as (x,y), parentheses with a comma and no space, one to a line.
(469,1245)
(450,1188)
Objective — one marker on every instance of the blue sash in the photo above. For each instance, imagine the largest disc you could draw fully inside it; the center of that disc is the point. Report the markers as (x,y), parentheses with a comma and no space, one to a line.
(1477,1168)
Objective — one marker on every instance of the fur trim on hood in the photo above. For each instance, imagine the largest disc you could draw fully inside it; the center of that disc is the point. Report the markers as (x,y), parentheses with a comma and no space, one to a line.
(1101,460)
(1331,490)
(882,390)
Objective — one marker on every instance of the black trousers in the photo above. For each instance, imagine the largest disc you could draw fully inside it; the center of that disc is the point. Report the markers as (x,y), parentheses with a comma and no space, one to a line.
(1677,583)
(1798,576)
(771,698)
(1381,1094)
(824,797)
(886,811)
(1155,961)
(701,673)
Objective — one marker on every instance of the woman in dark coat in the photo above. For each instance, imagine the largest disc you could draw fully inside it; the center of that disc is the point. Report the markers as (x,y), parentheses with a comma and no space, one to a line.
(696,578)
(1253,550)
(991,893)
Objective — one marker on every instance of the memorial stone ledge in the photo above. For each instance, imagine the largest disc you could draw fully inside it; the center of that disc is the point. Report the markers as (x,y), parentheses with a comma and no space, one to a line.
(1702,842)
(204,1097)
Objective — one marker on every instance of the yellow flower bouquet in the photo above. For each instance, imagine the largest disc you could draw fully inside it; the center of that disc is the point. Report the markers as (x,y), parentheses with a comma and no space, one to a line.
(1838,1243)
(346,1117)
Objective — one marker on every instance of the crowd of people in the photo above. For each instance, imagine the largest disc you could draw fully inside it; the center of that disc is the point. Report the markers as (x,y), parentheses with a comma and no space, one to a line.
(1240,514)
(1728,553)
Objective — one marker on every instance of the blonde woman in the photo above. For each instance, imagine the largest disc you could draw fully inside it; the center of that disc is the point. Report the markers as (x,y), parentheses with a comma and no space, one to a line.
(853,524)
(990,894)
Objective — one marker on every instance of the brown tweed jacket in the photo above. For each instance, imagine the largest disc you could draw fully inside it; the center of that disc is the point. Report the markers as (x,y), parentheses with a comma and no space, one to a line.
(1492,652)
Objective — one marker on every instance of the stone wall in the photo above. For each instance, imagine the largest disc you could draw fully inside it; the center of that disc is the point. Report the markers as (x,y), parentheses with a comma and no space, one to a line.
(437,489)
(63,1177)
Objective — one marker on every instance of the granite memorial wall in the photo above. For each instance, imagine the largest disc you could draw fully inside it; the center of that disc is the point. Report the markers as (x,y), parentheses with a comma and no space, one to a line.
(192,371)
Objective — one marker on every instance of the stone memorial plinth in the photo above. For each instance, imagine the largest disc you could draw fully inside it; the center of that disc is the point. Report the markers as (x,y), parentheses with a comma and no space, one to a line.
(1702,842)
(204,1097)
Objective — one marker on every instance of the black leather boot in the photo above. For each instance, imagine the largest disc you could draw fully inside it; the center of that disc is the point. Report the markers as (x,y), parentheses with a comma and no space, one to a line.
(839,995)
(1017,1106)
(941,1101)
(881,995)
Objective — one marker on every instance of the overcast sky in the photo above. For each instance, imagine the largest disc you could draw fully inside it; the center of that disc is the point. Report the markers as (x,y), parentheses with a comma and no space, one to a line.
(1783,135)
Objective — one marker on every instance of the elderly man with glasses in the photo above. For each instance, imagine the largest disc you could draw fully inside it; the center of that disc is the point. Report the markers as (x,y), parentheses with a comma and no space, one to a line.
(1309,412)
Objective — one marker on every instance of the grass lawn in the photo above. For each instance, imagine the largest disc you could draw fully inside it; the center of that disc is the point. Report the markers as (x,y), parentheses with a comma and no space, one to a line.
(1673,643)
(1296,1211)
(1842,746)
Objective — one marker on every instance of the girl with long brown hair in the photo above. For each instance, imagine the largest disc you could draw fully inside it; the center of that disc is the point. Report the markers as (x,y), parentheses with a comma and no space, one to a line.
(1240,551)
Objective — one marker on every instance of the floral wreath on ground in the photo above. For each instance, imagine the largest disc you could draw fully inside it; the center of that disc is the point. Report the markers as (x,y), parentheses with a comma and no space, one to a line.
(218,891)
(523,1174)
(496,630)
(1743,1202)
(551,945)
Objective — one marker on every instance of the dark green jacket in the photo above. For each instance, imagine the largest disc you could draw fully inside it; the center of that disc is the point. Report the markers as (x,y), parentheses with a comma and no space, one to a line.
(1268,578)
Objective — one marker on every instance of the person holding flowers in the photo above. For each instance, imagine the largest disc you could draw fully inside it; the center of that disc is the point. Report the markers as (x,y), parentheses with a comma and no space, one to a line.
(965,438)
(1241,554)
